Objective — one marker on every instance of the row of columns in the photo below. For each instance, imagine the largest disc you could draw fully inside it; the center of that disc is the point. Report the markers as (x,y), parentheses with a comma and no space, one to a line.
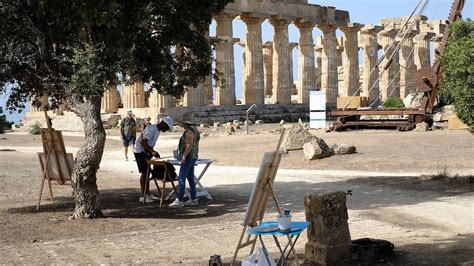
(267,68)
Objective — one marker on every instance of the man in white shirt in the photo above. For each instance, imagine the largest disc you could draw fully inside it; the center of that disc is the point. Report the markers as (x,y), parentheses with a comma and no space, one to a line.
(144,149)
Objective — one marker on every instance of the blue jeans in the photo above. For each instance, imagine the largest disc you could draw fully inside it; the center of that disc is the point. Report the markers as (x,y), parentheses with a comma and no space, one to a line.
(186,171)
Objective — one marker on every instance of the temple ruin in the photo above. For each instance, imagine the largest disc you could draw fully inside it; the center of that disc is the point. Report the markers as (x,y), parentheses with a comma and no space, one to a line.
(327,62)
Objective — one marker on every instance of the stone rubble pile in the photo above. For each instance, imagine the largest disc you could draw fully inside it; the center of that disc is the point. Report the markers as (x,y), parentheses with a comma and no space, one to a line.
(298,137)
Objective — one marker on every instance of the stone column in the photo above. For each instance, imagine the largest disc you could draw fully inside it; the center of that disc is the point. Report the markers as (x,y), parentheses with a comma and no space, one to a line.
(329,63)
(340,50)
(158,100)
(422,49)
(133,95)
(318,54)
(196,96)
(109,102)
(281,65)
(370,86)
(225,86)
(268,67)
(306,63)
(329,238)
(436,40)
(407,66)
(351,58)
(44,102)
(254,83)
(291,46)
(389,78)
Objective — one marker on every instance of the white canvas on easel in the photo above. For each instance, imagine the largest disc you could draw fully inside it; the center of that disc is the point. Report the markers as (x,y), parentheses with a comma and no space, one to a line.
(262,190)
(54,169)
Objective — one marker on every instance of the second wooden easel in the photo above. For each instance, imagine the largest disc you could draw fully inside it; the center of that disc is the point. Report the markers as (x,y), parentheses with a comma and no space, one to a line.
(54,156)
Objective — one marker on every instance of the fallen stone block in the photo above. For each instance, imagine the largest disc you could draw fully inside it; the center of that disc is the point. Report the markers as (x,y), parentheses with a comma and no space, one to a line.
(343,148)
(295,137)
(423,126)
(316,149)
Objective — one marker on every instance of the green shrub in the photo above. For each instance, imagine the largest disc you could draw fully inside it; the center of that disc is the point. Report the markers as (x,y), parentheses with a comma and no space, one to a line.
(457,82)
(35,129)
(393,103)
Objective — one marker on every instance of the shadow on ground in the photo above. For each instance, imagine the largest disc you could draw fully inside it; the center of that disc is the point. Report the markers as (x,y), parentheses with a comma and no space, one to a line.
(367,193)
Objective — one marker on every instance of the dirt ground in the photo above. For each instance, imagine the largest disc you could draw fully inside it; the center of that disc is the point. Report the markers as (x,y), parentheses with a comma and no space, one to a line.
(394,198)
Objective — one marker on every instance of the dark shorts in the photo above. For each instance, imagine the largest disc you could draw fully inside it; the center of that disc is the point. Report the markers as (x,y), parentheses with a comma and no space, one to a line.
(140,158)
(128,141)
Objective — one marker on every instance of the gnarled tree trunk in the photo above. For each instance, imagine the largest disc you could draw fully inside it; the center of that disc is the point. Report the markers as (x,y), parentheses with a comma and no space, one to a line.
(88,158)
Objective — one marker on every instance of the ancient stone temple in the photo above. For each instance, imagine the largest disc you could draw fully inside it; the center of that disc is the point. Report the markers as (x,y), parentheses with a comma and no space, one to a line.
(341,61)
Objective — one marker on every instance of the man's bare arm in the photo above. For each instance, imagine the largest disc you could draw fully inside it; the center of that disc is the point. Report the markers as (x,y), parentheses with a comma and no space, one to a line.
(149,149)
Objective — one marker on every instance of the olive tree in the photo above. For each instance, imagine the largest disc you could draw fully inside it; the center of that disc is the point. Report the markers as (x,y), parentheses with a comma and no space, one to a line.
(72,50)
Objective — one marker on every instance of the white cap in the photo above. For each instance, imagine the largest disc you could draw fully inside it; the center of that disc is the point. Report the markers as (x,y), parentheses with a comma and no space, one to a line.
(169,121)
(129,111)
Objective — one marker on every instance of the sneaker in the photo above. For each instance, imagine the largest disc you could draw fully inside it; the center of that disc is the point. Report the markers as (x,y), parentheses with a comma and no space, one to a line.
(177,204)
(191,202)
(126,159)
(153,198)
(147,200)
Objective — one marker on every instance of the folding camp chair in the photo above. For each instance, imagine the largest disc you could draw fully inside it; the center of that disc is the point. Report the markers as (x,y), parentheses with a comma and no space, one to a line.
(166,178)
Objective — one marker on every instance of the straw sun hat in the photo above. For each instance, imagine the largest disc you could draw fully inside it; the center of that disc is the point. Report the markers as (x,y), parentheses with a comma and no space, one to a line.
(187,118)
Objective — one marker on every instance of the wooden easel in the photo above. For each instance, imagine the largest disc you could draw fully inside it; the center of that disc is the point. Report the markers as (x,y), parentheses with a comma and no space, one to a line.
(262,190)
(55,162)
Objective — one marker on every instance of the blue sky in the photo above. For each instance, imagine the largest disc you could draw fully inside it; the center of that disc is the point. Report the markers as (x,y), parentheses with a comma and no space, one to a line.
(361,11)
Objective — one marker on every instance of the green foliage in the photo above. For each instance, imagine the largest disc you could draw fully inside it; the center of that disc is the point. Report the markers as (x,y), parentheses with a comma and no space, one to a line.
(457,82)
(4,124)
(393,103)
(35,129)
(72,50)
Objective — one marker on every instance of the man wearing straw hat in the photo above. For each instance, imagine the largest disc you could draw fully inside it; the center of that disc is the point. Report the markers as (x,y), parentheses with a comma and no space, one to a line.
(188,150)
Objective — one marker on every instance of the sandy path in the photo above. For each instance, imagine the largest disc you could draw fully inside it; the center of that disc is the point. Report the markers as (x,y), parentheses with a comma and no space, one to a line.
(430,222)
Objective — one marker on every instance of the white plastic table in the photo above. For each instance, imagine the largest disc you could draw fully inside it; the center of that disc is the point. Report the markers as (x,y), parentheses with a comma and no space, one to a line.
(200,190)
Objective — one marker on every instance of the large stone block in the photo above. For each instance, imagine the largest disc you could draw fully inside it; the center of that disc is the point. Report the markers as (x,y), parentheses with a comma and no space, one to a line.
(352,102)
(329,239)
(316,149)
(296,136)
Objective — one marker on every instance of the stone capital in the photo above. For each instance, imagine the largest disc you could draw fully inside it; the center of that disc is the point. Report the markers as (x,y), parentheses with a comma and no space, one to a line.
(250,18)
(302,23)
(437,38)
(292,45)
(424,36)
(327,28)
(351,27)
(279,21)
(388,32)
(410,33)
(371,29)
(224,16)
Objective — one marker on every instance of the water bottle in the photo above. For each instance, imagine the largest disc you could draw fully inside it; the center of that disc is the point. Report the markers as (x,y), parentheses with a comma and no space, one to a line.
(284,221)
